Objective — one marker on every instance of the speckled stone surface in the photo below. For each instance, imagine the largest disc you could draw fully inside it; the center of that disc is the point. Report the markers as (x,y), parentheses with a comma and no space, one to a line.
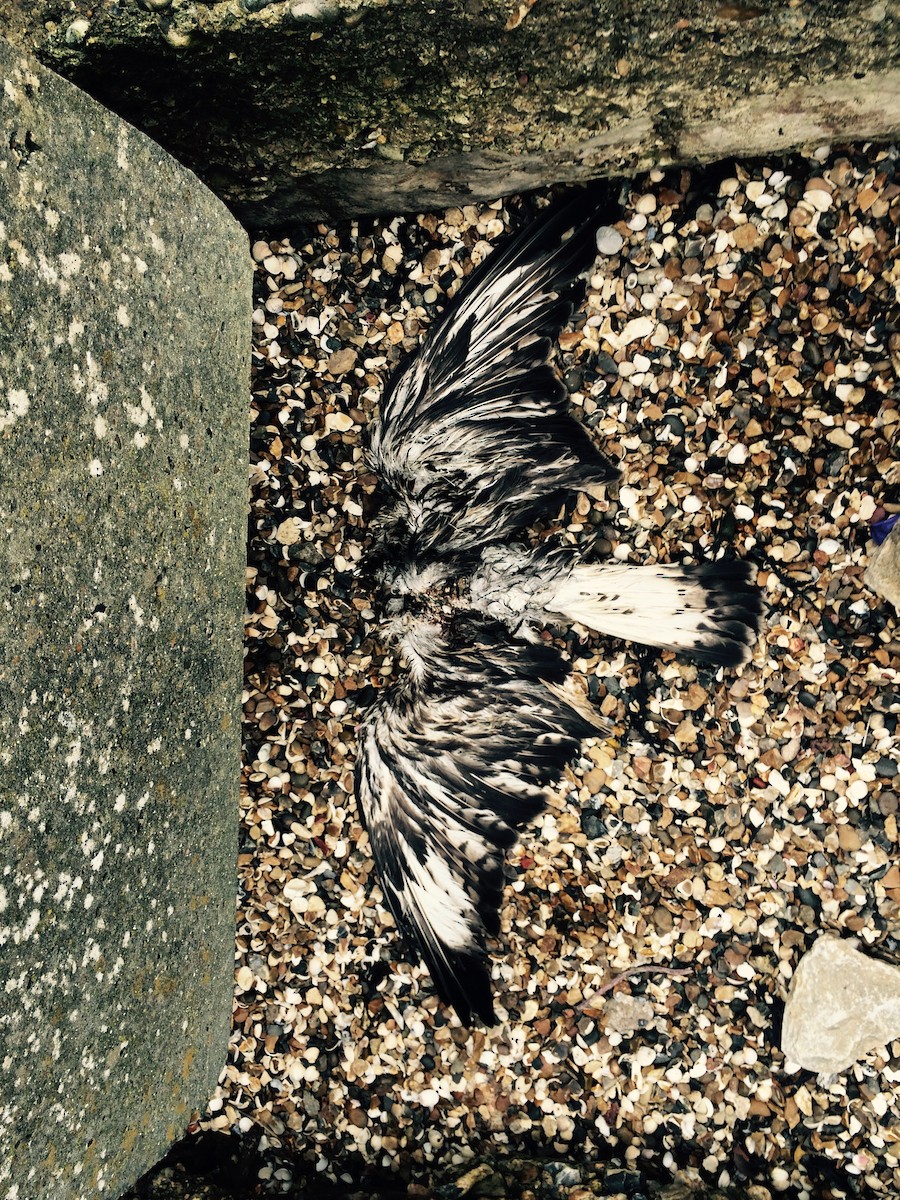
(124,318)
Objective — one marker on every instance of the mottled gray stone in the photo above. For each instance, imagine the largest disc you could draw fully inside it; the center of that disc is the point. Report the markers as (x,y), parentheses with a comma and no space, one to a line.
(353,106)
(841,1004)
(625,1014)
(124,306)
(883,572)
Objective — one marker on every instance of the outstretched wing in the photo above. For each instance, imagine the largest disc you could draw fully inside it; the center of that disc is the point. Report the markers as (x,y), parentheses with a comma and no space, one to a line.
(474,438)
(451,762)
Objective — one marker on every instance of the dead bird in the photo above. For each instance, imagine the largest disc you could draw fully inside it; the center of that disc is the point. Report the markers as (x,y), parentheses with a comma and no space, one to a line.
(474,443)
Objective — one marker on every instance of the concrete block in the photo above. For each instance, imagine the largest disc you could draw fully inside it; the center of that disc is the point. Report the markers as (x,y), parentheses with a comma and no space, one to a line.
(124,306)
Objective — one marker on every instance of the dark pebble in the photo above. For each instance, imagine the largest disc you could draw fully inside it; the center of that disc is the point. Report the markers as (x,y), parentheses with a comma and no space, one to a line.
(727,527)
(561,1175)
(628,1182)
(591,825)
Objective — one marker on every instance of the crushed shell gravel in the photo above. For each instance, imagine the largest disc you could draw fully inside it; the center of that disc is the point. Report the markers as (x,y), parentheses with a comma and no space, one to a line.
(738,354)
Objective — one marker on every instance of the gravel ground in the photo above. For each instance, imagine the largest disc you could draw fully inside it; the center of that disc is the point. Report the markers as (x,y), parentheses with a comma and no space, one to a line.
(737,354)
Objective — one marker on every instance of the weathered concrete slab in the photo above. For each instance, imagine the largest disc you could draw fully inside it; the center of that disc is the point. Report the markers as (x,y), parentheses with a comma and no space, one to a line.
(124,305)
(352,106)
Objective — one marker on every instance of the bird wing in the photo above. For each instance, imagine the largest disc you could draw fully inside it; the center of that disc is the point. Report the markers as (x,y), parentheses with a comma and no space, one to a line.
(451,762)
(474,438)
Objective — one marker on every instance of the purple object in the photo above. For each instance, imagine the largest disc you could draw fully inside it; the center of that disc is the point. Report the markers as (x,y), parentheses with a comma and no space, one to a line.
(880,529)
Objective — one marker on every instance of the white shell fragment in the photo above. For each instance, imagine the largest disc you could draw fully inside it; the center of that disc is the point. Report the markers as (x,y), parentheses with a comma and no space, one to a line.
(609,240)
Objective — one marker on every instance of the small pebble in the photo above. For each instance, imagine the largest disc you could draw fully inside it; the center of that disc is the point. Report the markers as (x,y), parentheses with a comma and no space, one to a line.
(77,31)
(341,362)
(609,240)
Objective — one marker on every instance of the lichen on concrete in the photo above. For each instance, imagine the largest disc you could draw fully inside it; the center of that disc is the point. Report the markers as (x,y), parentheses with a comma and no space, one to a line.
(123,370)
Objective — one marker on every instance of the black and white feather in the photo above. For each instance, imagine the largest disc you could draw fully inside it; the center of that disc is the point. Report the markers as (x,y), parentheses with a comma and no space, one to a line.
(451,762)
(474,443)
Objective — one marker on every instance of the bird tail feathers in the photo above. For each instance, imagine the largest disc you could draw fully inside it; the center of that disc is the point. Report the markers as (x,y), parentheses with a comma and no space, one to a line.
(711,612)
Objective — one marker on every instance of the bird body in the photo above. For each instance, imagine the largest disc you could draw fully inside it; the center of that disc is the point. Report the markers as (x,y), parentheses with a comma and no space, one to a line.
(474,443)
(698,609)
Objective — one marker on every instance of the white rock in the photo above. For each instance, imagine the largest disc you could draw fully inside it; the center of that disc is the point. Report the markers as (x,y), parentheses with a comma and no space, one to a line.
(841,1005)
(738,454)
(289,532)
(77,31)
(645,204)
(857,790)
(609,240)
(628,497)
(781,1181)
(883,572)
(624,1014)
